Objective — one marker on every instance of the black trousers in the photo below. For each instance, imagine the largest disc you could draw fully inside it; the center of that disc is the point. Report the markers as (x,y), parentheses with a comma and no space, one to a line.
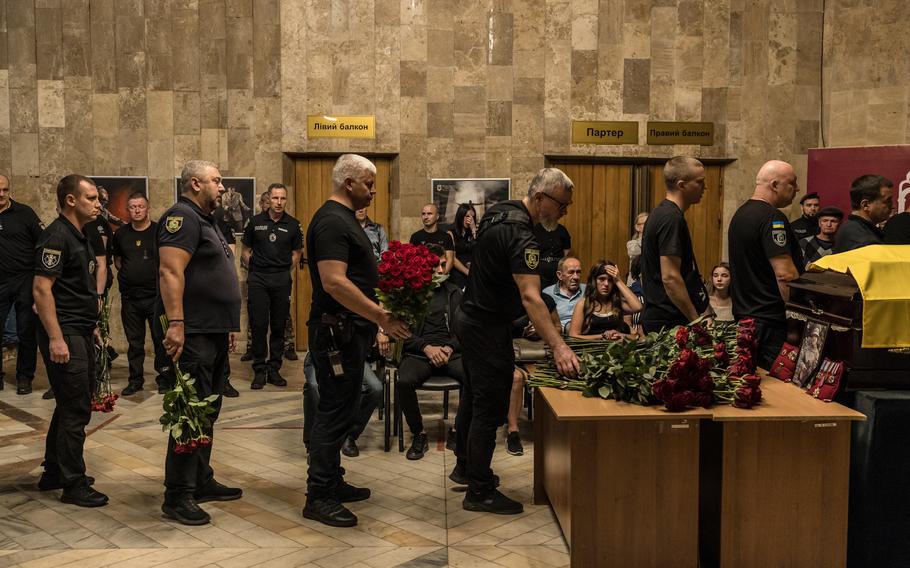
(73,383)
(16,292)
(370,399)
(268,304)
(489,361)
(413,371)
(204,358)
(339,401)
(770,337)
(136,313)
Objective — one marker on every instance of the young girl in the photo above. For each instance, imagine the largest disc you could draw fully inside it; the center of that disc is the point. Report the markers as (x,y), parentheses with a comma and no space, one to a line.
(719,293)
(600,312)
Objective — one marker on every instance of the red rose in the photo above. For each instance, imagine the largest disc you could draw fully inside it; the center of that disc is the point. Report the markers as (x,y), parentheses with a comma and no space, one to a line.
(746,396)
(702,399)
(679,401)
(682,336)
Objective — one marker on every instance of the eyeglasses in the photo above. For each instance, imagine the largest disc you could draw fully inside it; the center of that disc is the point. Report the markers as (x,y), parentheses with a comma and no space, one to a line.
(563,206)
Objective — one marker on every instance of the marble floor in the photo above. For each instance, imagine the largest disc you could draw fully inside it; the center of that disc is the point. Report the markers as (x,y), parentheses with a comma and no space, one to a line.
(414,518)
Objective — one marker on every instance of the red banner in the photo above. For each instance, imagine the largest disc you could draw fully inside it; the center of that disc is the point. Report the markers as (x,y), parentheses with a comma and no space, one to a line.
(832,170)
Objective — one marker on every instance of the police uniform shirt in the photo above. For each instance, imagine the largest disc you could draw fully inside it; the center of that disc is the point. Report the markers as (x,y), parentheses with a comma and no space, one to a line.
(502,249)
(62,252)
(759,231)
(272,242)
(897,231)
(335,234)
(138,253)
(19,231)
(805,227)
(553,245)
(97,231)
(438,237)
(211,294)
(666,233)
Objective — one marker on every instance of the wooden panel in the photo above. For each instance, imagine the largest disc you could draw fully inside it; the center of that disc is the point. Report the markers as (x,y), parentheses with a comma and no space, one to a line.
(599,219)
(785,493)
(784,401)
(313,185)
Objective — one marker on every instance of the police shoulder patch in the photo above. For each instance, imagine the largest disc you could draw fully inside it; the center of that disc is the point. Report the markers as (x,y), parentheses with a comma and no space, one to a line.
(50,257)
(173,224)
(779,237)
(532,258)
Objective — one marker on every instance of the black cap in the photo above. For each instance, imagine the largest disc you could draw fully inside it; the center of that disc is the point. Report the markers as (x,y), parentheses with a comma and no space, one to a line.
(812,195)
(830,211)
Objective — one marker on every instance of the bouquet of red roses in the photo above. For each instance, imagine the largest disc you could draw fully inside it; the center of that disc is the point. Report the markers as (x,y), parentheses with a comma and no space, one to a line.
(407,278)
(104,397)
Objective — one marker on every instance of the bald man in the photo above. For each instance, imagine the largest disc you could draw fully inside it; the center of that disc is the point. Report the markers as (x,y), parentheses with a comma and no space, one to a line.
(764,256)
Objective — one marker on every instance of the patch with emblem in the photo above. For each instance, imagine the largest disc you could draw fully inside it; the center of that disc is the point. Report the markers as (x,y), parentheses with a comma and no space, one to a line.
(91,267)
(50,257)
(101,229)
(532,258)
(138,243)
(273,237)
(173,224)
(779,237)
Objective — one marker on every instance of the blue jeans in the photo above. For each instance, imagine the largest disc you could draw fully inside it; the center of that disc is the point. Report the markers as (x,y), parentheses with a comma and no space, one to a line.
(369,401)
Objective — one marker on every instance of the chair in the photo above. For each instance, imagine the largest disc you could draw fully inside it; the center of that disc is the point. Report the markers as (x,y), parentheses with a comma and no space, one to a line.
(436,383)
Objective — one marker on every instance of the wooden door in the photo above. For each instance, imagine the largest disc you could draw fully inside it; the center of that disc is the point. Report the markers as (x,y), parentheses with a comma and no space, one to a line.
(600,217)
(705,219)
(313,185)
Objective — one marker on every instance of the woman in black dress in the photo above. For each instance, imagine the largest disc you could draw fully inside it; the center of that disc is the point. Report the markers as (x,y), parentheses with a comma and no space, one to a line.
(464,233)
(602,311)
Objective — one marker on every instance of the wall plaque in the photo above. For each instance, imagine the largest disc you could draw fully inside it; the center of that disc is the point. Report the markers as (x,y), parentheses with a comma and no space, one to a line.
(692,133)
(320,126)
(602,132)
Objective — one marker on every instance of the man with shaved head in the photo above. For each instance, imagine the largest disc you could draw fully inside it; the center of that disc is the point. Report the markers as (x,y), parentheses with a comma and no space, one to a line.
(430,234)
(764,256)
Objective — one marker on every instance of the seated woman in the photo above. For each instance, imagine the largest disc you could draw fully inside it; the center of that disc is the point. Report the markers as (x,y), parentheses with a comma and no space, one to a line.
(600,312)
(719,293)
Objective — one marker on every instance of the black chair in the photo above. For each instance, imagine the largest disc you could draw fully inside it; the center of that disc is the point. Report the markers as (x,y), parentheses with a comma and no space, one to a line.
(436,383)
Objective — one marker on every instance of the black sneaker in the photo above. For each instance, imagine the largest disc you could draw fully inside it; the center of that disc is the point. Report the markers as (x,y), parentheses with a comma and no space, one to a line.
(347,493)
(48,482)
(23,386)
(349,447)
(248,356)
(329,511)
(259,380)
(48,394)
(83,495)
(491,502)
(459,477)
(419,447)
(132,388)
(291,355)
(451,438)
(513,444)
(229,390)
(185,511)
(214,491)
(276,379)
(163,388)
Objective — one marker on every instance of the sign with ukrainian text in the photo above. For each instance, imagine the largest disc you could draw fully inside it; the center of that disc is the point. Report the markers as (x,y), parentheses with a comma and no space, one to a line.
(321,126)
(689,133)
(603,132)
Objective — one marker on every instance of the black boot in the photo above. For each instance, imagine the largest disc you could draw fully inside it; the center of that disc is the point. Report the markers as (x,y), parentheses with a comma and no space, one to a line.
(259,380)
(276,379)
(48,394)
(132,388)
(185,511)
(329,511)
(491,502)
(23,385)
(418,447)
(347,493)
(83,495)
(229,390)
(214,491)
(460,477)
(349,448)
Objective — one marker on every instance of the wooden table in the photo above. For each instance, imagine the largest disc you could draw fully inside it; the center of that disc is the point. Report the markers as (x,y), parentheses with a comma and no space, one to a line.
(640,486)
(784,476)
(622,479)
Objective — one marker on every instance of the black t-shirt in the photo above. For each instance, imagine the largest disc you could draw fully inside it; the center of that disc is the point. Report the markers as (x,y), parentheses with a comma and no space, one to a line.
(464,252)
(553,245)
(436,324)
(335,234)
(101,237)
(63,252)
(758,232)
(272,242)
(804,227)
(437,237)
(897,231)
(211,293)
(19,231)
(138,253)
(666,233)
(504,248)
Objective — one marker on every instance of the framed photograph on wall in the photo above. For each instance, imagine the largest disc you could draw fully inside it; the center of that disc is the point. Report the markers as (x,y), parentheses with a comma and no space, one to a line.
(810,354)
(238,203)
(114,192)
(482,193)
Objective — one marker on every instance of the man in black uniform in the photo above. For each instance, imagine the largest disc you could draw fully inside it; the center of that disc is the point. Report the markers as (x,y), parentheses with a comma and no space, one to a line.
(807,224)
(554,241)
(19,230)
(764,256)
(272,243)
(67,304)
(342,326)
(201,298)
(228,233)
(673,287)
(502,283)
(136,258)
(431,234)
(871,200)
